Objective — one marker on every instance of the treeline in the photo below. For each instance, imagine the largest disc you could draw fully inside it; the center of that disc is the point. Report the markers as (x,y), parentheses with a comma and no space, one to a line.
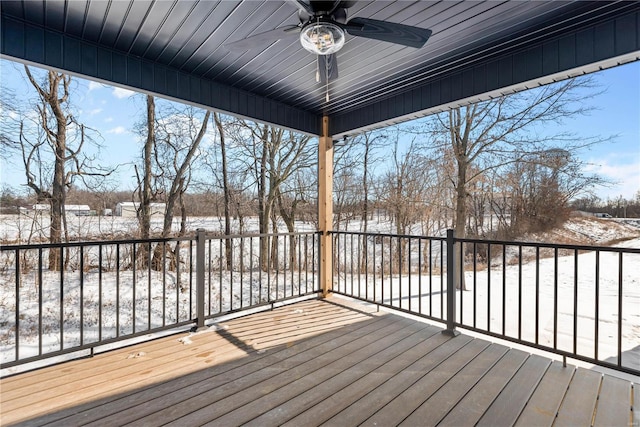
(480,169)
(618,207)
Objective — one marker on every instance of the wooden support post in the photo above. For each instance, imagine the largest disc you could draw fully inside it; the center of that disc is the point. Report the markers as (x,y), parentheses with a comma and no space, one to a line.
(325,207)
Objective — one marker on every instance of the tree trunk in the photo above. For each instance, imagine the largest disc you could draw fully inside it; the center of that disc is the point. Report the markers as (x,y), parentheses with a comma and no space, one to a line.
(225,188)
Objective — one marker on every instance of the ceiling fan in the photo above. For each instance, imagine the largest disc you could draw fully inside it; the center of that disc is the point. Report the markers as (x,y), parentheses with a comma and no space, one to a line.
(322,29)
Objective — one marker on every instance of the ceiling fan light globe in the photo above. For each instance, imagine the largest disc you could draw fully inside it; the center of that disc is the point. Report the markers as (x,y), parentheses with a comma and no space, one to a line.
(322,38)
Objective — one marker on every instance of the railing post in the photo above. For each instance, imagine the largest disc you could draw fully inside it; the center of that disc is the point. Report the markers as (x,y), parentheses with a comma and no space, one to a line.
(451,286)
(200,255)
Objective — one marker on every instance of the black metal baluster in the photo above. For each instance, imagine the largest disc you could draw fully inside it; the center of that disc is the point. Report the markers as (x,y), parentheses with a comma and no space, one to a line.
(251,271)
(489,287)
(117,290)
(99,292)
(420,275)
(475,281)
(575,301)
(61,254)
(442,279)
(149,290)
(555,298)
(620,294)
(164,283)
(597,311)
(81,295)
(519,292)
(504,288)
(17,314)
(40,301)
(241,272)
(537,294)
(135,284)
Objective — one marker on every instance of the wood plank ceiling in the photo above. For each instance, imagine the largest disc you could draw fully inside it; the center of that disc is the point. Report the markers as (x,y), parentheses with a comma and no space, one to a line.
(176,48)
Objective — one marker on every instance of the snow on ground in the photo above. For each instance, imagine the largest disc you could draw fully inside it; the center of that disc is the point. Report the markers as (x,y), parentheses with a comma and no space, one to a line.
(95,295)
(590,231)
(574,296)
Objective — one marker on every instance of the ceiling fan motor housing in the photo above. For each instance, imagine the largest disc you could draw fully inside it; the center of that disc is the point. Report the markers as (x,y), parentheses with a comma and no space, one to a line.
(322,37)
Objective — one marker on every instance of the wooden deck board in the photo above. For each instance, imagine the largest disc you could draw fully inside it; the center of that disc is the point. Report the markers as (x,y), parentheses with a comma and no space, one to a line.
(243,395)
(542,408)
(506,408)
(361,393)
(472,407)
(446,397)
(365,360)
(378,398)
(303,409)
(312,363)
(614,403)
(410,399)
(137,405)
(635,412)
(579,403)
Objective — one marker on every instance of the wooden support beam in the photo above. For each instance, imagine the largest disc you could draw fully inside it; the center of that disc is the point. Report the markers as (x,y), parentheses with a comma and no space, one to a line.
(325,207)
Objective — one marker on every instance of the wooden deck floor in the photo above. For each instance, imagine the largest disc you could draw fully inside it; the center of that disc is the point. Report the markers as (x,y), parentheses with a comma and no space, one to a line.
(318,363)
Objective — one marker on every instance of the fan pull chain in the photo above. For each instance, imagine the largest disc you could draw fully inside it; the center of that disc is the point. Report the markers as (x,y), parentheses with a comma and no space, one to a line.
(326,70)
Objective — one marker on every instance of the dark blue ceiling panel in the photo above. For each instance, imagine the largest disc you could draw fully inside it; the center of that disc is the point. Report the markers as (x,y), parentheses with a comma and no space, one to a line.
(177,49)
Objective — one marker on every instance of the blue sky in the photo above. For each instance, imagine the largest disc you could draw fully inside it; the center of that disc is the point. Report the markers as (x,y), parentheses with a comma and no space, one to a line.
(113,112)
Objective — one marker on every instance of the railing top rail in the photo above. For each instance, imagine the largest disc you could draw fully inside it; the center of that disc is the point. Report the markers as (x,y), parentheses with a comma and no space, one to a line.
(92,243)
(208,235)
(401,236)
(550,245)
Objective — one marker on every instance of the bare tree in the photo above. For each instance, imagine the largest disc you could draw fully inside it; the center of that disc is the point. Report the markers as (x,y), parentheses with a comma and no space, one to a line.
(180,133)
(491,134)
(226,188)
(145,182)
(172,137)
(53,135)
(273,156)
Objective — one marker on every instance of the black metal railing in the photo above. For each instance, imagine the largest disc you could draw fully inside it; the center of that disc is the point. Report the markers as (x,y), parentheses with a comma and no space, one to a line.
(70,297)
(577,301)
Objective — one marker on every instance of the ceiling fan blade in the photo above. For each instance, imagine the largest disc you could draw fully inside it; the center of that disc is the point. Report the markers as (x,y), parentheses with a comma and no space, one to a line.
(391,32)
(262,40)
(327,67)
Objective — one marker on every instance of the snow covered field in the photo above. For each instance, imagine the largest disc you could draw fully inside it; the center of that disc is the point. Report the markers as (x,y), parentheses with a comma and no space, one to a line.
(84,306)
(572,286)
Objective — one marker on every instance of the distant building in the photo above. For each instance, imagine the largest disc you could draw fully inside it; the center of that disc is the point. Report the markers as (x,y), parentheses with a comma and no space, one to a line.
(78,210)
(130,209)
(41,207)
